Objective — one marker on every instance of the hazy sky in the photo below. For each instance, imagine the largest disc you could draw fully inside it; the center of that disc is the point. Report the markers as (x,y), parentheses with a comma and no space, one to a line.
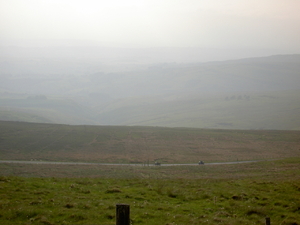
(271,24)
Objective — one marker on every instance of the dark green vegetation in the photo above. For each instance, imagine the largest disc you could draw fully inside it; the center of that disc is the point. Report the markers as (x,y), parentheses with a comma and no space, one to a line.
(113,144)
(224,194)
(255,93)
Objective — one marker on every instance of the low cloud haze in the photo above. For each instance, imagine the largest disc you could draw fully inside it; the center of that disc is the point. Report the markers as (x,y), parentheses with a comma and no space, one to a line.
(238,24)
(156,31)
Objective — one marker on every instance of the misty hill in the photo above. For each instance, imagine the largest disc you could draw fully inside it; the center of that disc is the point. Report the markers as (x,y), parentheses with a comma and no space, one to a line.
(274,73)
(87,60)
(253,93)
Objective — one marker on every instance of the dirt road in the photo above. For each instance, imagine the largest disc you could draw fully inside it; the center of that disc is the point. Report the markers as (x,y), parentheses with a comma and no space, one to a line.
(122,164)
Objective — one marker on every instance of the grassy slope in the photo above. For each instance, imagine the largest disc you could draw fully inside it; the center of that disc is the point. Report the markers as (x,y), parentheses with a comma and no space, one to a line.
(269,110)
(194,96)
(27,141)
(50,110)
(87,194)
(14,115)
(227,194)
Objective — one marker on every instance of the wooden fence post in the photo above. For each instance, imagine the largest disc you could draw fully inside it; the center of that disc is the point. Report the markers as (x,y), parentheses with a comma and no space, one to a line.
(268,221)
(122,214)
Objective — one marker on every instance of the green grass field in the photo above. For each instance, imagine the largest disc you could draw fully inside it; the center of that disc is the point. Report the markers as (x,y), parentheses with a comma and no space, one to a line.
(223,194)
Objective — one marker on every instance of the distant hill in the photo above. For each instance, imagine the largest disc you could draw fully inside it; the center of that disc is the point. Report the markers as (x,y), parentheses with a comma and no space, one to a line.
(253,93)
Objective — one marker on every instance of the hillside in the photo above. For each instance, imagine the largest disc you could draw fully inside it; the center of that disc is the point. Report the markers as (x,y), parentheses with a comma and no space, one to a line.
(117,144)
(253,93)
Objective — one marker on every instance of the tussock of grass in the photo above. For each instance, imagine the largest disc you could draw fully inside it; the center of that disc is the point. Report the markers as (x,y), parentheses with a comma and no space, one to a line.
(113,190)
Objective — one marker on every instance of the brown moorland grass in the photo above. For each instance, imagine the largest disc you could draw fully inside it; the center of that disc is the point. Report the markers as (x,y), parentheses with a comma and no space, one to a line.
(113,144)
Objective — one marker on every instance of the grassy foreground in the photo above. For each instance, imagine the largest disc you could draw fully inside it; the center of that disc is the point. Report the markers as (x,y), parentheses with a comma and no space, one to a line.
(223,194)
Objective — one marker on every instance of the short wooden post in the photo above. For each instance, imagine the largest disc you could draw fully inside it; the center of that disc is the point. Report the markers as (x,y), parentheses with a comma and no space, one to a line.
(122,214)
(268,221)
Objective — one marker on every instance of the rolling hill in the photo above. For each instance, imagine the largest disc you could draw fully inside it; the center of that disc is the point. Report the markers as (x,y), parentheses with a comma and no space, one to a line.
(253,93)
